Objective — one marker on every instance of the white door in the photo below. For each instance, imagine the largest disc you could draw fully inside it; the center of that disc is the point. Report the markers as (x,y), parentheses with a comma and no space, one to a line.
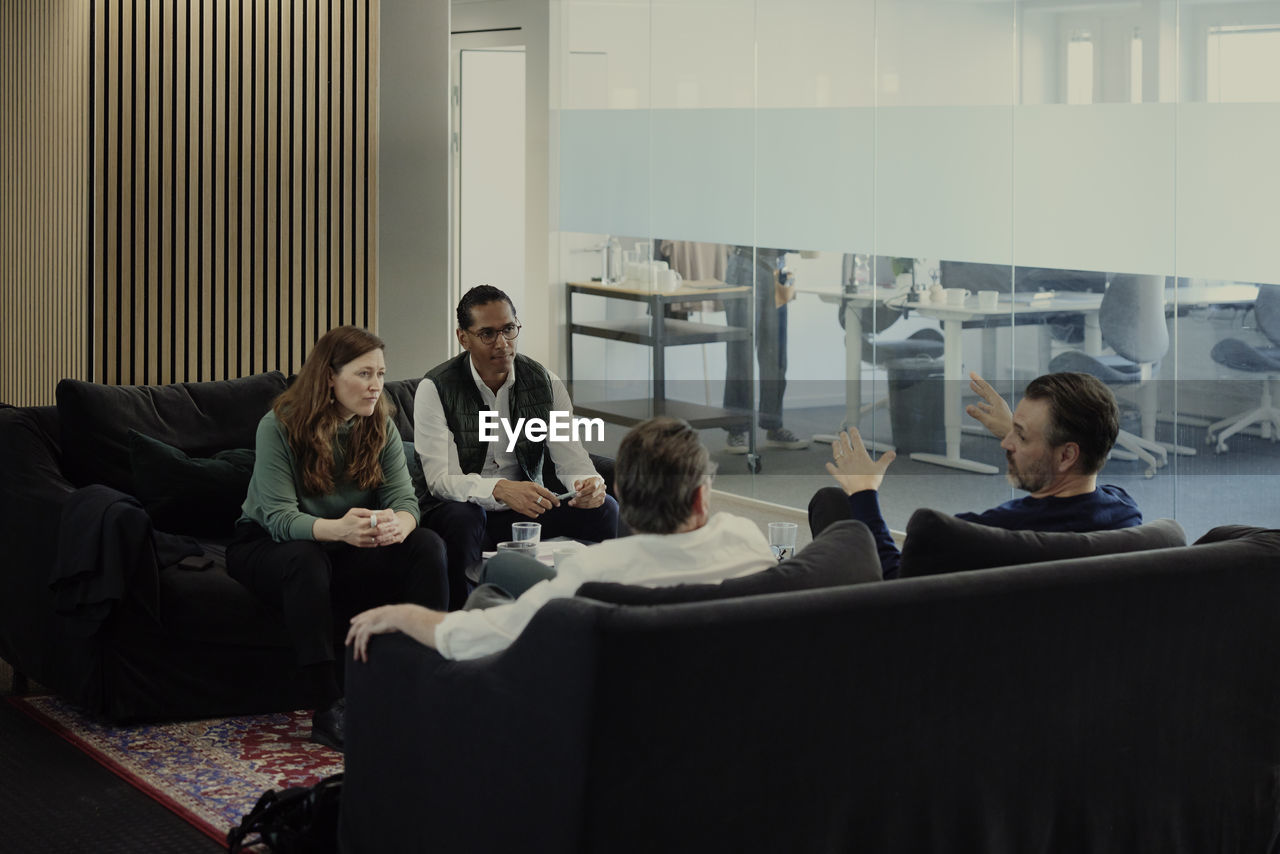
(489,166)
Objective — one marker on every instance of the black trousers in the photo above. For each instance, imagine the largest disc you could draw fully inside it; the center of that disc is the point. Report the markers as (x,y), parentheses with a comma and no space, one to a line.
(468,529)
(319,587)
(828,505)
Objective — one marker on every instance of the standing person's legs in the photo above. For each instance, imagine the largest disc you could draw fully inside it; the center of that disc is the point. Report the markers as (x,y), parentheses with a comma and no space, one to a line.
(769,353)
(461,525)
(738,312)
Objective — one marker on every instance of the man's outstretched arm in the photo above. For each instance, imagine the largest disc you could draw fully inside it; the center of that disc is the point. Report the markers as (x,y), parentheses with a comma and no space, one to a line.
(860,477)
(415,621)
(992,412)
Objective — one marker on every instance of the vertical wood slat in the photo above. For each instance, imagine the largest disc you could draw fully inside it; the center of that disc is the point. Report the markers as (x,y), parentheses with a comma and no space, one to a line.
(232,180)
(44,237)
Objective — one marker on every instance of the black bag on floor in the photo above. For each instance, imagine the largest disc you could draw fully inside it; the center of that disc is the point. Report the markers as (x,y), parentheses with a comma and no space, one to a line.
(297,820)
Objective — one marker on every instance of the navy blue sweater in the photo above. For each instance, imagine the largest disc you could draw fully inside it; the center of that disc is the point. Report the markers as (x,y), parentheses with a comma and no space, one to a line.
(1105,509)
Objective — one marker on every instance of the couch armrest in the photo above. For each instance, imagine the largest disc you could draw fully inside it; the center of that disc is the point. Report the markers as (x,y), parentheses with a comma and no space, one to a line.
(33,488)
(482,755)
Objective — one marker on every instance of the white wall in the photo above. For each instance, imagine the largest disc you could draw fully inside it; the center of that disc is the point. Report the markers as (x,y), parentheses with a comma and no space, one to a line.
(413,184)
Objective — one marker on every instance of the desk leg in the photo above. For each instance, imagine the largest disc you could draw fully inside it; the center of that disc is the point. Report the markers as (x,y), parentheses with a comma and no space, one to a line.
(658,317)
(953,358)
(852,372)
(1092,334)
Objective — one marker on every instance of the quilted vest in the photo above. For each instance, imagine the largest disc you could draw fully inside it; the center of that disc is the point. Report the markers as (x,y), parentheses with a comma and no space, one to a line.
(530,397)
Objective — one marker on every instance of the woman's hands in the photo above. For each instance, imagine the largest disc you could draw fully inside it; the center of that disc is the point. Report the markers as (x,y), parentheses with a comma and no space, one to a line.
(366,529)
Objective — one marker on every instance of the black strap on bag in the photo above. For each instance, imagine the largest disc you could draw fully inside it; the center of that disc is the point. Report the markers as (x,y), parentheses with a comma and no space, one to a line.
(297,820)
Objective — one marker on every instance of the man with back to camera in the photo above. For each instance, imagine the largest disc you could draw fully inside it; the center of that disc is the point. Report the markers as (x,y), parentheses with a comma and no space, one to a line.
(1055,443)
(663,483)
(485,487)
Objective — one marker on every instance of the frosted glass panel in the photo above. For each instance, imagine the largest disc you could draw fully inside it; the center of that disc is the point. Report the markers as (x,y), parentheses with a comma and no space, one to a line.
(943,182)
(1093,187)
(1228,187)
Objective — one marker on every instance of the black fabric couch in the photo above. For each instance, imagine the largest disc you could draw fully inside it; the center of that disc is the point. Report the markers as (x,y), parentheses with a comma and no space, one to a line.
(1118,703)
(103,616)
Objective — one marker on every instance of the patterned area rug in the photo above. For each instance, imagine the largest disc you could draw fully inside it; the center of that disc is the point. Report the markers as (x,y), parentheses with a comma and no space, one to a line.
(208,772)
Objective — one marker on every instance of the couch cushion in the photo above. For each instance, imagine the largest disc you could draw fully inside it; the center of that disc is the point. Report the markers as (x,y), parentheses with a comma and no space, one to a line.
(939,542)
(400,393)
(197,418)
(198,496)
(844,553)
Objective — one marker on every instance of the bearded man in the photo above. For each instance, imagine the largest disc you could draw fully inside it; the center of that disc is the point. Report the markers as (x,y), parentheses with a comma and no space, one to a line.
(1055,442)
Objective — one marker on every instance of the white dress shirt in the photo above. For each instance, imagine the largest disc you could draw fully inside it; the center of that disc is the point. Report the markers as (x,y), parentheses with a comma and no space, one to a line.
(434,444)
(726,547)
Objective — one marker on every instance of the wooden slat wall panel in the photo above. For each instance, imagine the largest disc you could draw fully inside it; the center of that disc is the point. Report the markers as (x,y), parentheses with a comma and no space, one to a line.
(232,195)
(44,239)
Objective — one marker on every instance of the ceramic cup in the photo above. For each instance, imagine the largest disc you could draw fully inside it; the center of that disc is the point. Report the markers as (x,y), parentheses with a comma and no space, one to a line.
(956,296)
(988,300)
(668,281)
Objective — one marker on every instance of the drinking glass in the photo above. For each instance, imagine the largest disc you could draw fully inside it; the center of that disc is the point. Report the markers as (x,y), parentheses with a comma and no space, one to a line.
(530,532)
(782,539)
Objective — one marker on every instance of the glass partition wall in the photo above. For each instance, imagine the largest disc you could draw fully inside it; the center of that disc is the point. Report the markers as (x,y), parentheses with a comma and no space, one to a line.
(839,208)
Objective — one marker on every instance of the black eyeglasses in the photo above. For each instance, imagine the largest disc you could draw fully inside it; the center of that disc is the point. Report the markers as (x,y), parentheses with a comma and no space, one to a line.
(488,336)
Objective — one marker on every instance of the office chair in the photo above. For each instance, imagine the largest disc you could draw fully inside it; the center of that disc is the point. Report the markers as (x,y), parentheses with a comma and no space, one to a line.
(1240,355)
(1132,322)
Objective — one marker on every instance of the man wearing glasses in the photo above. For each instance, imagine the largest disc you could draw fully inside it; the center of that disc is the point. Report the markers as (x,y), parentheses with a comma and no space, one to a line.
(484,487)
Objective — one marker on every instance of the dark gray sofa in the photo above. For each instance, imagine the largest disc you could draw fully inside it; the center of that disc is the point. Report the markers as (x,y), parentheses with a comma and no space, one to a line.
(1119,703)
(115,626)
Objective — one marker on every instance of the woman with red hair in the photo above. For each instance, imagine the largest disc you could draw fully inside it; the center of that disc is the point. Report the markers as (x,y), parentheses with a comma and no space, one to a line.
(330,523)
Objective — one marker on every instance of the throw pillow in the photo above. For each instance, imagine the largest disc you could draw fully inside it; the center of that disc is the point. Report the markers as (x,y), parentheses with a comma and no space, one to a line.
(939,543)
(843,554)
(197,418)
(200,497)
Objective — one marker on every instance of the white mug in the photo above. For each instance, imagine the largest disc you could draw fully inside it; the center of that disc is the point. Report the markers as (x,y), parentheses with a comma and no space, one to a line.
(988,300)
(668,281)
(956,296)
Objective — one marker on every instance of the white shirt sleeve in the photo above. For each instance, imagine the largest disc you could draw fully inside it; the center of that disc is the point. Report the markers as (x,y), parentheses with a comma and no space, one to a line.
(571,460)
(433,442)
(472,634)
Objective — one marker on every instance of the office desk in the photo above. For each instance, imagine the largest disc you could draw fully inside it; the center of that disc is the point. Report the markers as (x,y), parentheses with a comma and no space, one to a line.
(1032,305)
(953,318)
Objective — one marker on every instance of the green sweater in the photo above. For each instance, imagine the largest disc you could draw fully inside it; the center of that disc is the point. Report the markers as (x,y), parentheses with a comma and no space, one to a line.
(276,500)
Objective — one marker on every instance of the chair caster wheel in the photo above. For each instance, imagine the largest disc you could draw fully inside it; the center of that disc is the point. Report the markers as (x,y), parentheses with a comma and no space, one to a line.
(1149,473)
(1221,448)
(754,463)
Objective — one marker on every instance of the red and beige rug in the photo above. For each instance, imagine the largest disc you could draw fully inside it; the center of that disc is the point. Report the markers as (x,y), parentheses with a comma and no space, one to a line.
(208,772)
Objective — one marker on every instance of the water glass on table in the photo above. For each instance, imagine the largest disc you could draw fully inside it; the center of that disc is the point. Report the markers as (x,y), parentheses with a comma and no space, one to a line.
(530,532)
(782,539)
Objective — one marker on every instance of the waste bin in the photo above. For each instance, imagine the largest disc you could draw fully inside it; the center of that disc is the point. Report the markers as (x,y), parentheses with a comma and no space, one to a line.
(916,402)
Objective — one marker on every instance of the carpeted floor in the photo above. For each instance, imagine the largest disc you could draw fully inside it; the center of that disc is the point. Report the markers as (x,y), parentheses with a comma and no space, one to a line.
(56,800)
(56,797)
(210,772)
